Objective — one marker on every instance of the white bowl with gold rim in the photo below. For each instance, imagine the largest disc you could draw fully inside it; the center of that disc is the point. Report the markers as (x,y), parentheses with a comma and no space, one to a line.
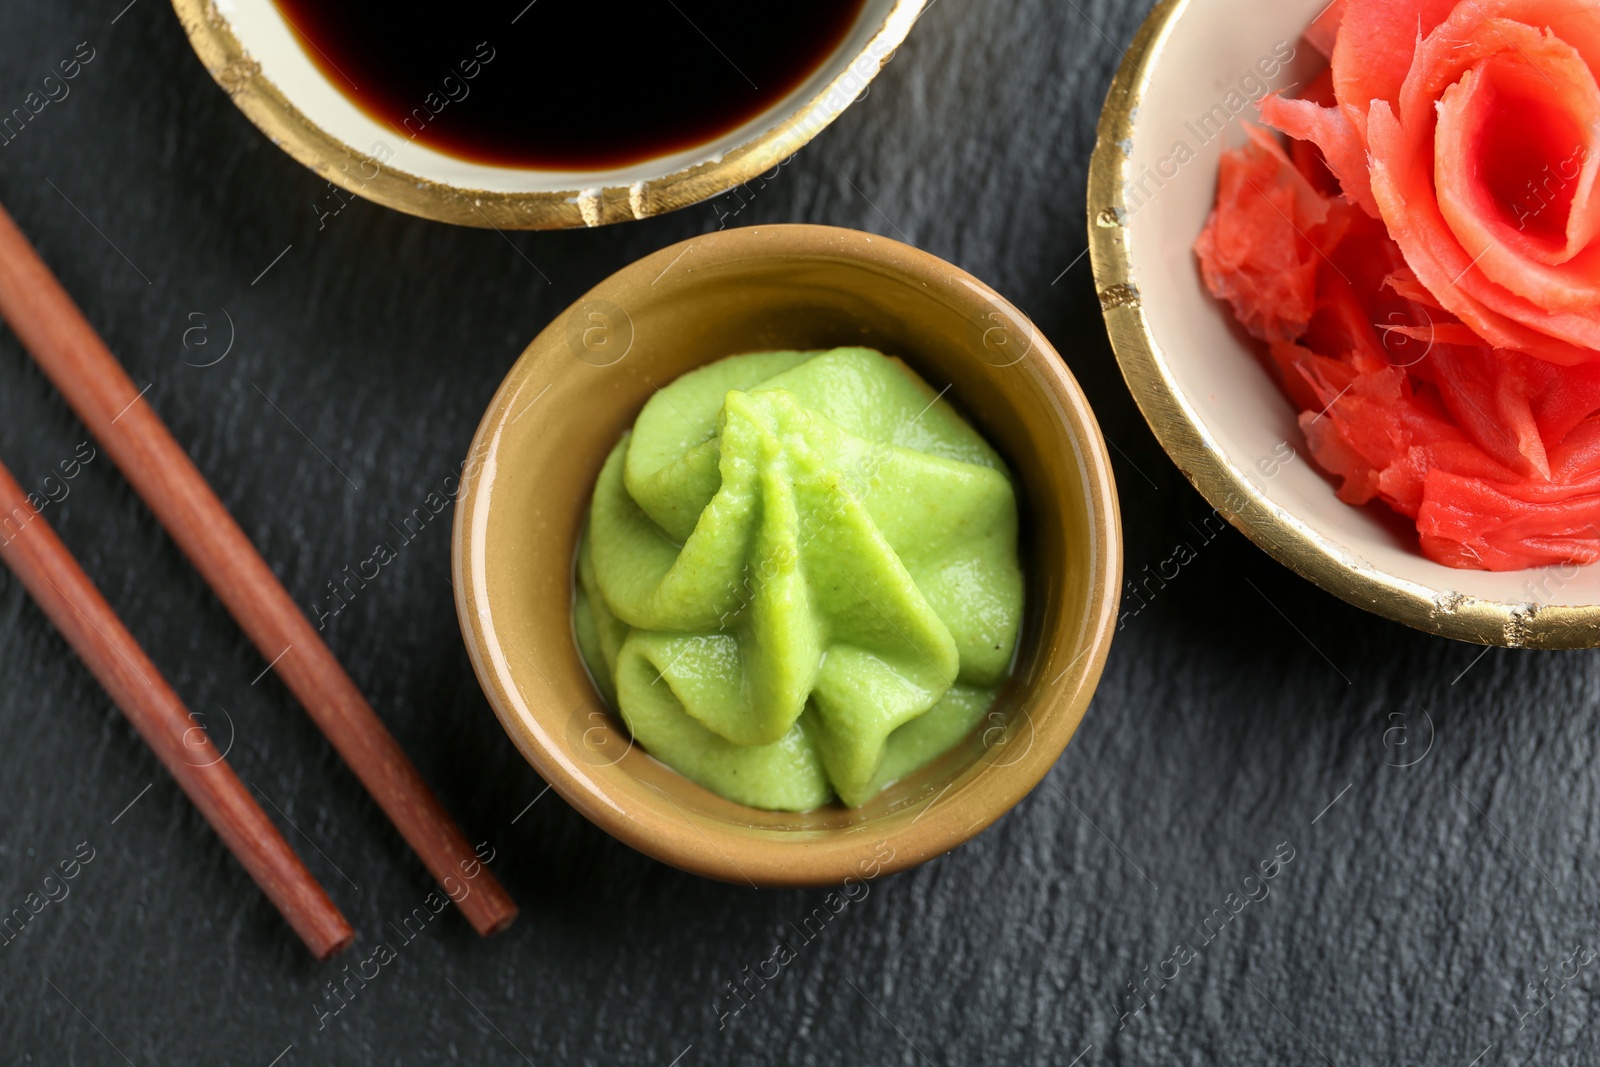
(252,52)
(1190,76)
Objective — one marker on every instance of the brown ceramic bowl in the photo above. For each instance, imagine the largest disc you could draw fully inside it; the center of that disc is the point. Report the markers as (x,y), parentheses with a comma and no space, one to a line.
(526,485)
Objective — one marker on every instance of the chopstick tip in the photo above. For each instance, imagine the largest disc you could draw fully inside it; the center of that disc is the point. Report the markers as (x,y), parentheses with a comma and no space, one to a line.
(334,946)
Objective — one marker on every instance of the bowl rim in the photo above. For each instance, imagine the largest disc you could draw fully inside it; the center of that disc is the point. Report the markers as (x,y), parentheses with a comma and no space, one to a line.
(989,790)
(252,92)
(1291,541)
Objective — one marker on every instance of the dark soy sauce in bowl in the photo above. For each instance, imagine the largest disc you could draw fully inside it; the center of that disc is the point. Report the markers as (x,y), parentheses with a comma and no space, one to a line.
(567,84)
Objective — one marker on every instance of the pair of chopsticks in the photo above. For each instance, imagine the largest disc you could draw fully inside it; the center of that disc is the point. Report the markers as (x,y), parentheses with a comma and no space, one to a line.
(84,371)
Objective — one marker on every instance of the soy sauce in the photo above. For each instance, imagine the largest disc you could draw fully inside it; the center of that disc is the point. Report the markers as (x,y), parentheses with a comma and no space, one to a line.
(567,84)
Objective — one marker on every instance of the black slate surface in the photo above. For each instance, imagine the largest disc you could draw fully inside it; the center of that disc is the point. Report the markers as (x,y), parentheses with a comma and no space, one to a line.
(1244,714)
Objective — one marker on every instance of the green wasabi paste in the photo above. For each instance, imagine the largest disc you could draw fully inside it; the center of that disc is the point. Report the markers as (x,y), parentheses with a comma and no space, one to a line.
(799,579)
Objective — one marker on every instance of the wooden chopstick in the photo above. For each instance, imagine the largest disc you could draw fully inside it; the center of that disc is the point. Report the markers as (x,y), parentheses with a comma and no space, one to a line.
(64,592)
(83,369)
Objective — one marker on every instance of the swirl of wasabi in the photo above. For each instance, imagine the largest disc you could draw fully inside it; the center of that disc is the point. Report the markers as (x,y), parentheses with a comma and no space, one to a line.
(799,578)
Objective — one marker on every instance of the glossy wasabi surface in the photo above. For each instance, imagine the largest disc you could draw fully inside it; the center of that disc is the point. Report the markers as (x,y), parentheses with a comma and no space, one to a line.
(799,579)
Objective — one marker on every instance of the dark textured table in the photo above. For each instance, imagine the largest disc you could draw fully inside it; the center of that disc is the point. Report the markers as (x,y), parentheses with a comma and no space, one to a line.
(1427,809)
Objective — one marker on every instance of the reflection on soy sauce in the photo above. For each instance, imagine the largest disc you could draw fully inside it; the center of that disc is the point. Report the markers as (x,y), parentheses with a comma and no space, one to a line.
(567,84)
